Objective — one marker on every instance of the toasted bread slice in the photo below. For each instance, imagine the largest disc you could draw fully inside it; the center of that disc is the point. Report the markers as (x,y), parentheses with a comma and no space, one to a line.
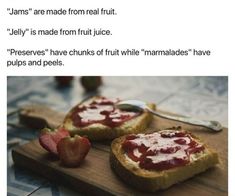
(99,131)
(151,180)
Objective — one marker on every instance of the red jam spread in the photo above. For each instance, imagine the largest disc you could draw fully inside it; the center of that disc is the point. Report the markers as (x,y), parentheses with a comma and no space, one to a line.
(101,110)
(161,150)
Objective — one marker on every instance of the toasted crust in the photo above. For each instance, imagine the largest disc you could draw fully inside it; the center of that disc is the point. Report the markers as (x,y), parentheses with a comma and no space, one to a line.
(99,131)
(150,180)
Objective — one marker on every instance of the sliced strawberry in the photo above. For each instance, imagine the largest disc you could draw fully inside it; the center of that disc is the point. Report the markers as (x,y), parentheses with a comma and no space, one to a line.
(50,138)
(72,150)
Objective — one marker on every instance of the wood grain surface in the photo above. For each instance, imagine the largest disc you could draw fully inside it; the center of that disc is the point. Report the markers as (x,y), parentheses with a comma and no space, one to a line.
(95,176)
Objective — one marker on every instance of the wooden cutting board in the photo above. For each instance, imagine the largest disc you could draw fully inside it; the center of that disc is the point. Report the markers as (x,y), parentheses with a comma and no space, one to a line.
(95,177)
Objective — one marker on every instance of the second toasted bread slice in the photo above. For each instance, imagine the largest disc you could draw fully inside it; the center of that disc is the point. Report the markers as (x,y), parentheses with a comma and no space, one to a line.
(150,162)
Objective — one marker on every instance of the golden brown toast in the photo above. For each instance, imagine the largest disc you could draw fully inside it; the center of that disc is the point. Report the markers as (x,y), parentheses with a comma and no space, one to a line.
(98,131)
(150,180)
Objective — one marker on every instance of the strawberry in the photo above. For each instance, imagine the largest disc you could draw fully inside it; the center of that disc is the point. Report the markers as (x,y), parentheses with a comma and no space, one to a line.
(91,83)
(49,138)
(63,81)
(72,150)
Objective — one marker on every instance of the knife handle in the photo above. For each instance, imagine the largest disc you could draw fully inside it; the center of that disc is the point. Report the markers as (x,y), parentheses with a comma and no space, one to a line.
(40,116)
